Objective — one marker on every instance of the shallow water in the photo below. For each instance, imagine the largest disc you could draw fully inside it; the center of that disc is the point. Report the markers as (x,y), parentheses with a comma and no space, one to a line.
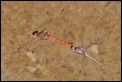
(54,61)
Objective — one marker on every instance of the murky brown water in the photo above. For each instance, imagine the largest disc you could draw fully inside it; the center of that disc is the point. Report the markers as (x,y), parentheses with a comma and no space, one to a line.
(48,62)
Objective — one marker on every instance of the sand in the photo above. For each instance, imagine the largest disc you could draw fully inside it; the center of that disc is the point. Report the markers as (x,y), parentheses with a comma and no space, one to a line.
(52,60)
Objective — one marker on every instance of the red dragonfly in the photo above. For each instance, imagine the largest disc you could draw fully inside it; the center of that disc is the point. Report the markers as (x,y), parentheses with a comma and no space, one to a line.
(45,35)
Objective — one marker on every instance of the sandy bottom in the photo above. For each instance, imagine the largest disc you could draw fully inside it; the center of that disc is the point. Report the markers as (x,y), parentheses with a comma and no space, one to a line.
(79,22)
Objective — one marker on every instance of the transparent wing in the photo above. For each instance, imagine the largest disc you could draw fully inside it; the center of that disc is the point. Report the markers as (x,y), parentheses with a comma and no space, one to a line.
(35,41)
(82,37)
(93,45)
(100,63)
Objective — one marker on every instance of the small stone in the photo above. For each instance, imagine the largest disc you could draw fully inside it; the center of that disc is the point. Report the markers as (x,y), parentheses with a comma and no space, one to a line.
(94,48)
(32,56)
(31,69)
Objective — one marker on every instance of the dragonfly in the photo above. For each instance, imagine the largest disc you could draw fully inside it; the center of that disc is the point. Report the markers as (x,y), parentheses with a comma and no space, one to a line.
(45,35)
(78,49)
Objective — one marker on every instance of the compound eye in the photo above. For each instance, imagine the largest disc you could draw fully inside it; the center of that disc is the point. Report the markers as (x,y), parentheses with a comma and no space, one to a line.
(75,48)
(34,33)
(71,47)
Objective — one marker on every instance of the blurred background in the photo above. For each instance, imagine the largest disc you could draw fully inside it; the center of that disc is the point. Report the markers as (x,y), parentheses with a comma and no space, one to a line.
(80,22)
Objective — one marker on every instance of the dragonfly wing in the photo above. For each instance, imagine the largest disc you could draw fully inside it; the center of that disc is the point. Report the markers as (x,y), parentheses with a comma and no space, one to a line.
(89,56)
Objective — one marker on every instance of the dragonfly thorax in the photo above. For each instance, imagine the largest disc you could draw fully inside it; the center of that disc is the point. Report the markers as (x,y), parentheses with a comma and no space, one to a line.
(77,49)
